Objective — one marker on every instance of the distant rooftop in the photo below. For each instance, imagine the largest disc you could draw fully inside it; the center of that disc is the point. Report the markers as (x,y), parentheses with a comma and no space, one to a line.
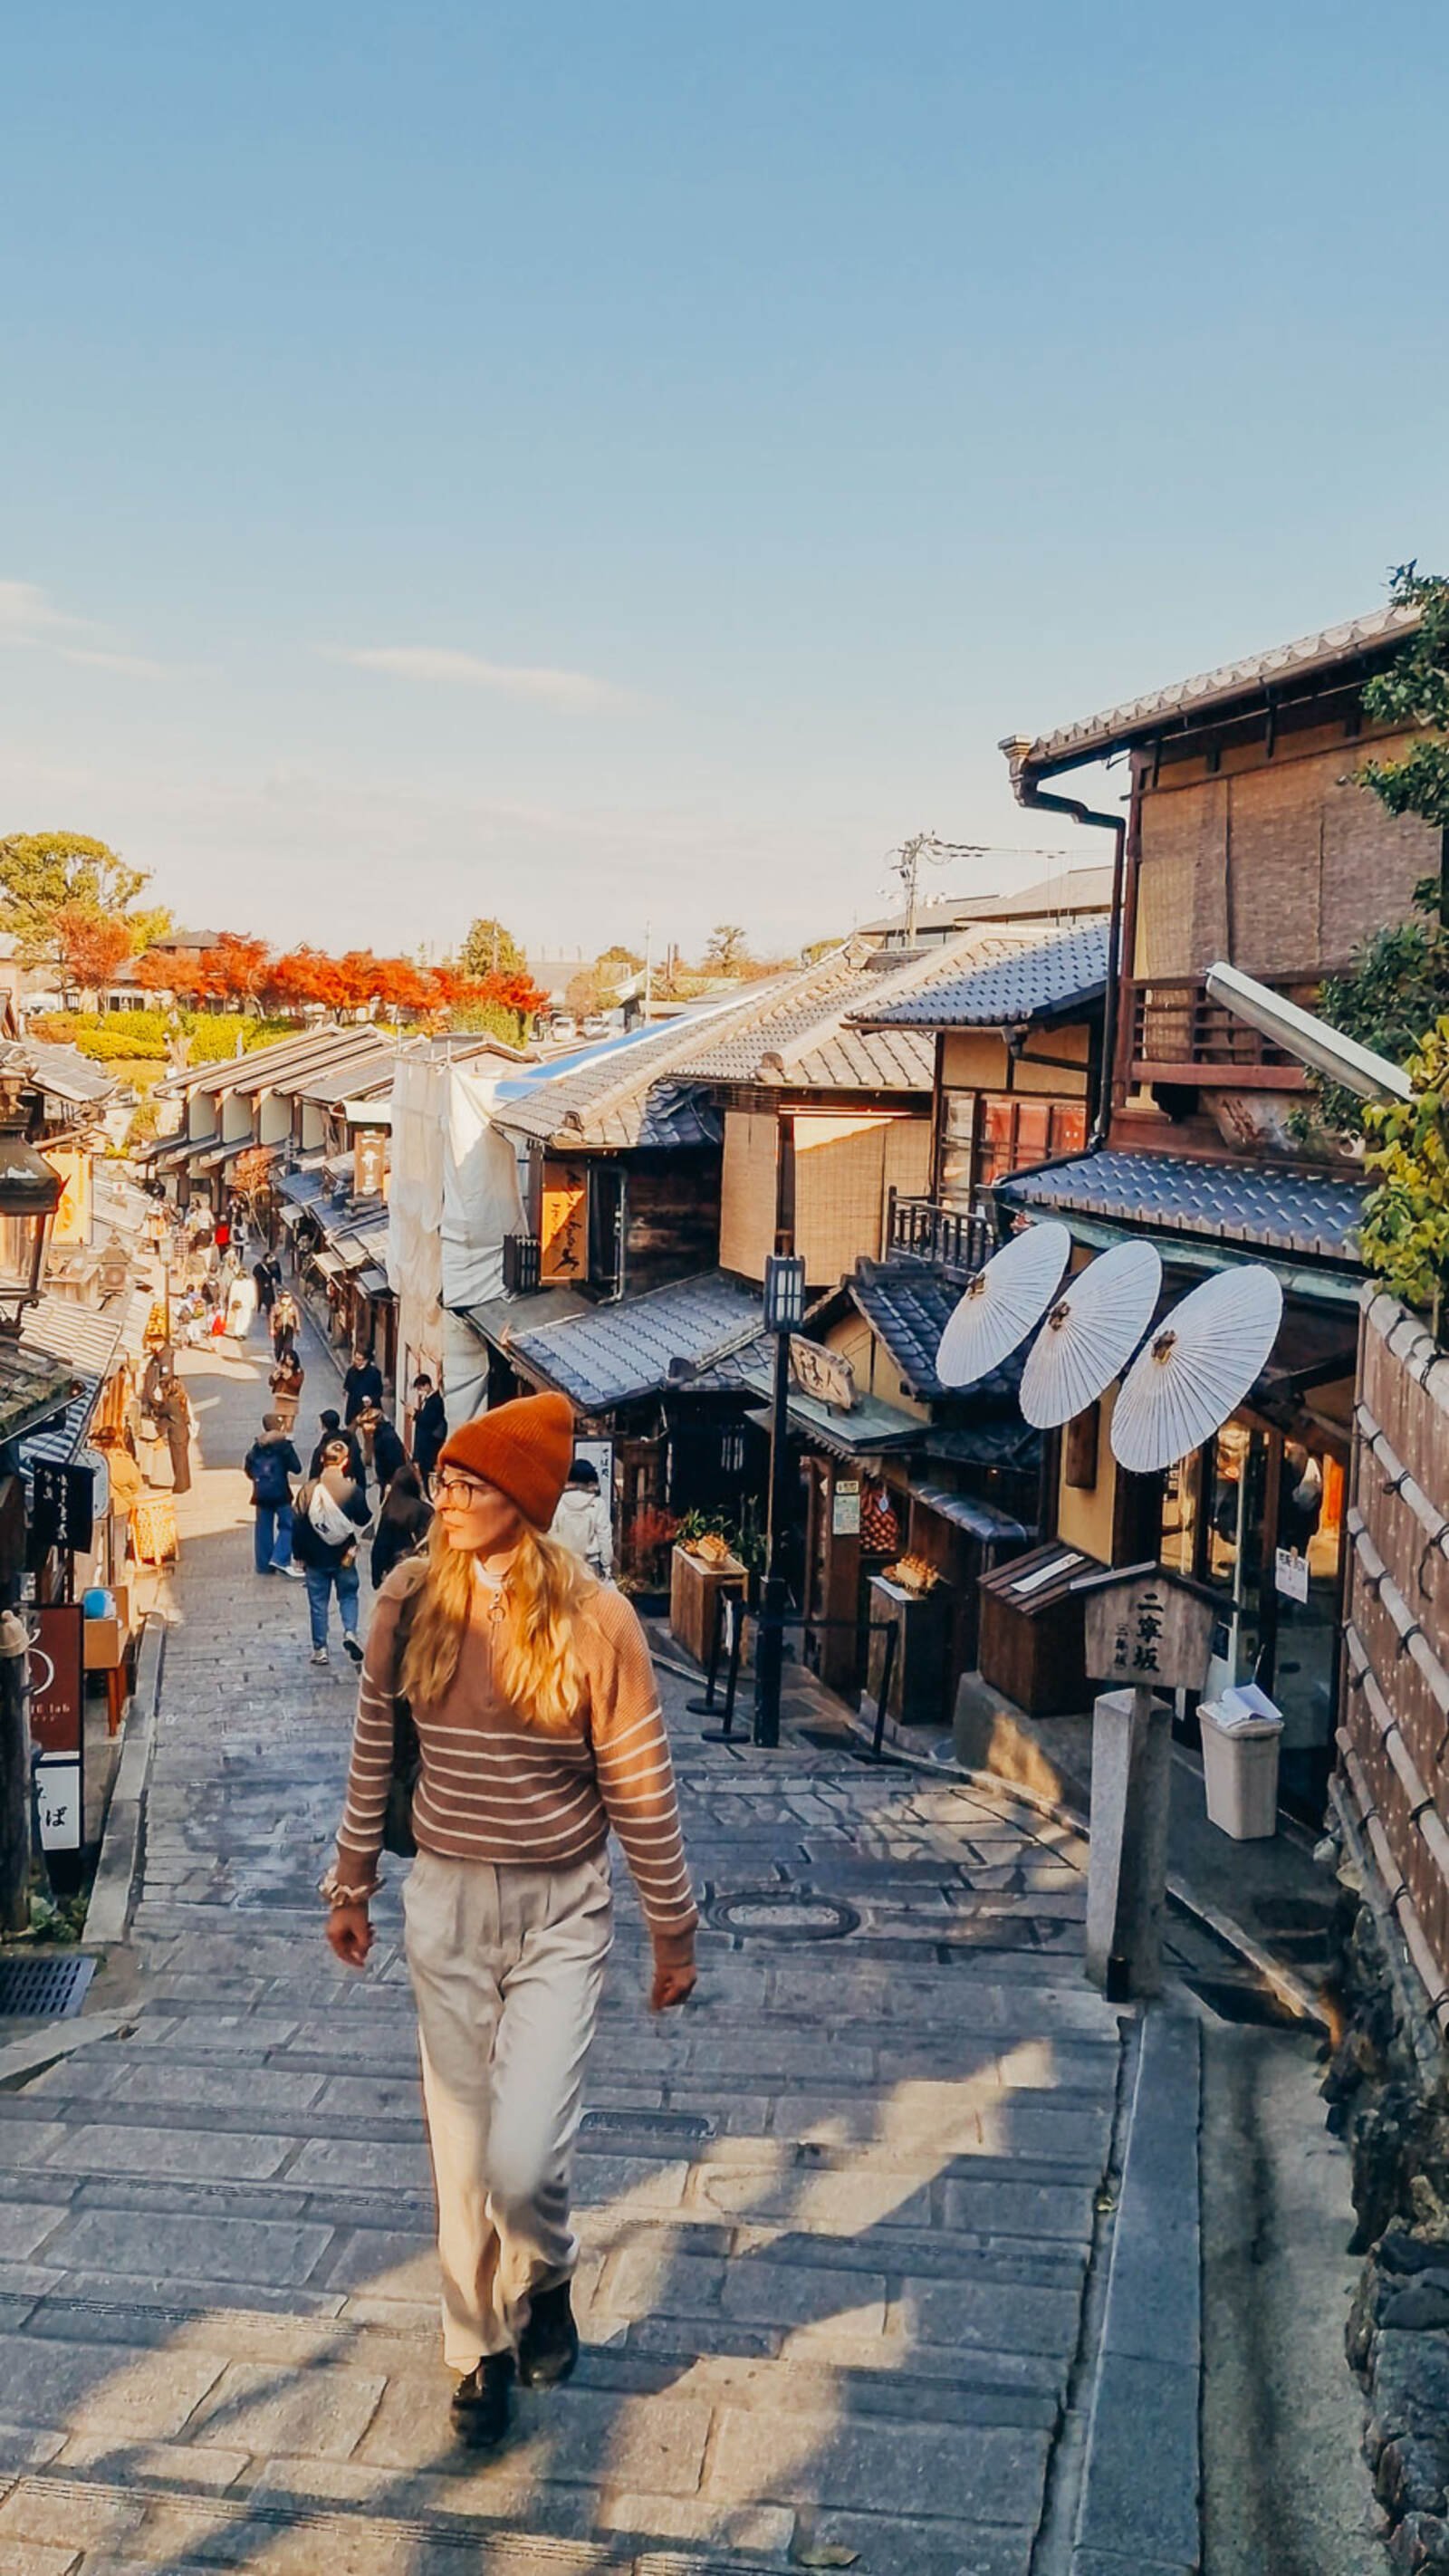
(1066,893)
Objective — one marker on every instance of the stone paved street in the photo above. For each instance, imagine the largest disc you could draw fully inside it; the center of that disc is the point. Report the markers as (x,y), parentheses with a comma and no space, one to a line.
(837,2217)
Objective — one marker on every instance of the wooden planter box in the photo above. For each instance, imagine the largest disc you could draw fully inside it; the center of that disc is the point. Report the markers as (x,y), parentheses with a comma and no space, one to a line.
(694,1590)
(919,1675)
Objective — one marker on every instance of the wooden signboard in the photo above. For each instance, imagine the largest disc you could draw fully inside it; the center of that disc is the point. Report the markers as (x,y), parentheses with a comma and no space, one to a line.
(822,1373)
(1148,1629)
(56,1684)
(370,1166)
(564,1233)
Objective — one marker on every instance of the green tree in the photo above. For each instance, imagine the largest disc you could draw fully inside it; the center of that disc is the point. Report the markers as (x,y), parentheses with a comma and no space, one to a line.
(44,874)
(489,949)
(1414,691)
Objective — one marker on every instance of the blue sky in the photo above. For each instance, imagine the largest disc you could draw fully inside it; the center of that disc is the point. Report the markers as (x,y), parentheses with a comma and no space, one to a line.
(632,462)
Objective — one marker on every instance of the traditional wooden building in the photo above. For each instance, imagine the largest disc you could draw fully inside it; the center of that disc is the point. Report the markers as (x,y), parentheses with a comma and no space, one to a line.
(1245,839)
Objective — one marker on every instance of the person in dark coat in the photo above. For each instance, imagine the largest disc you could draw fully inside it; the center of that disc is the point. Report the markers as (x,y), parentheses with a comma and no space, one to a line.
(172,1410)
(402,1523)
(361,1386)
(380,1439)
(328,1518)
(332,1430)
(267,1272)
(270,1464)
(430,1426)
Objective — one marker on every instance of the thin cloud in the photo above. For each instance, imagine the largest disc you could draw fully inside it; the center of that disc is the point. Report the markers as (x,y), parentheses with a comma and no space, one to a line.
(28,615)
(27,612)
(439,665)
(132,666)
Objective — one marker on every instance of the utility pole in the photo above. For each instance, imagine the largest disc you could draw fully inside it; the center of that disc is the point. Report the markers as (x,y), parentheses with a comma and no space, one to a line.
(648,966)
(906,864)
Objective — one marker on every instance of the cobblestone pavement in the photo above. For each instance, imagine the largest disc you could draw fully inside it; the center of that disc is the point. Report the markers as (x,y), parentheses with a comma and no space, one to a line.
(837,2216)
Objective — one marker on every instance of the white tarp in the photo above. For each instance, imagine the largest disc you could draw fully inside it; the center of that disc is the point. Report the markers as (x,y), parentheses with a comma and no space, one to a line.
(453,1196)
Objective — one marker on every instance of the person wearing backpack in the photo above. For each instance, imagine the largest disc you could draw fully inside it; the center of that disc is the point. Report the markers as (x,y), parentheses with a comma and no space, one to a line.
(271,1463)
(329,1516)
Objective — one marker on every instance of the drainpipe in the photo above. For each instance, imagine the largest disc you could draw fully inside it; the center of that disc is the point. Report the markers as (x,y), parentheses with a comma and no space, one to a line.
(1028,793)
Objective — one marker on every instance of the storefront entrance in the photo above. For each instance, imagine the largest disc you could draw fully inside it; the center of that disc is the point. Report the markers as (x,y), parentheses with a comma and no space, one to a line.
(1259,1516)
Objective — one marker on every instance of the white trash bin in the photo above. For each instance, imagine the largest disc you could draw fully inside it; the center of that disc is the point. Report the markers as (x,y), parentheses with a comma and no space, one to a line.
(1241,1734)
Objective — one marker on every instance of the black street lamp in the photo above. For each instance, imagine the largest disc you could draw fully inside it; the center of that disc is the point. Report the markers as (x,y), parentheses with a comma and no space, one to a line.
(784,1315)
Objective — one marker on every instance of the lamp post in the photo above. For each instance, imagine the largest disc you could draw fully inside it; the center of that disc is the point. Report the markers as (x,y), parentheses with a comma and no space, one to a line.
(31,1189)
(784,1314)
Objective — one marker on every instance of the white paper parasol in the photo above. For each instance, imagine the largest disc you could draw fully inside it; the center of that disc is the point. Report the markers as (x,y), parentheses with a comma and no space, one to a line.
(1198,1365)
(1002,1303)
(1090,1333)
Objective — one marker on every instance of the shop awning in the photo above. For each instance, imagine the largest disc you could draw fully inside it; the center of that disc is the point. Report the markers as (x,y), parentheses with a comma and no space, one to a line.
(328,1264)
(869,1430)
(982,1520)
(1300,1216)
(372,1281)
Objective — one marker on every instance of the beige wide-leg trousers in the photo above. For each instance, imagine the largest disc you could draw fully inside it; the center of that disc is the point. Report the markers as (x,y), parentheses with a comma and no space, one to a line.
(506,1966)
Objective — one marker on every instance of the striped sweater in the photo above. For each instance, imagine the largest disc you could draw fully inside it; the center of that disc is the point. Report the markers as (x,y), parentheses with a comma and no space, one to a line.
(493,1789)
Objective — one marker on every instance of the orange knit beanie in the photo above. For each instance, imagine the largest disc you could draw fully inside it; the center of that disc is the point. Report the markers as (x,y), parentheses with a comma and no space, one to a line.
(525,1448)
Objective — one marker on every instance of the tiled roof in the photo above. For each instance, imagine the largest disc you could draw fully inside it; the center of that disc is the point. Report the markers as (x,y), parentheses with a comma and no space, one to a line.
(1034,982)
(261,1067)
(635,1347)
(34,1389)
(908,1305)
(601,1102)
(982,1520)
(803,1035)
(1089,738)
(870,1429)
(82,1344)
(499,1318)
(1300,1213)
(59,1069)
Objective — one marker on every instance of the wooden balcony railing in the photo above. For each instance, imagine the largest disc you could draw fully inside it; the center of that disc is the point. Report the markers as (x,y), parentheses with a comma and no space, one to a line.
(521,1258)
(1180,1035)
(949,1238)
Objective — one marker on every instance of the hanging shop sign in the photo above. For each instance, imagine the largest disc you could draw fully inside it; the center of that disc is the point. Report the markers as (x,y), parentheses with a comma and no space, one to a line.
(564,1239)
(57,1701)
(62,1509)
(72,1222)
(370,1168)
(845,1508)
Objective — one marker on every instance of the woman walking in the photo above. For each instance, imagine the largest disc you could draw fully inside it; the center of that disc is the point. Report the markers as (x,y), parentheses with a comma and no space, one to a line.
(286,1382)
(402,1523)
(539,1728)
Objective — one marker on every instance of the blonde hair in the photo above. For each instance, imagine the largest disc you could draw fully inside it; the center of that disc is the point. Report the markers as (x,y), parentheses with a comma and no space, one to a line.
(538,1665)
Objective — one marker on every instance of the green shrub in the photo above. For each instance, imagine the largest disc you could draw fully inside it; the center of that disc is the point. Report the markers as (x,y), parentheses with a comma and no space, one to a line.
(107,1037)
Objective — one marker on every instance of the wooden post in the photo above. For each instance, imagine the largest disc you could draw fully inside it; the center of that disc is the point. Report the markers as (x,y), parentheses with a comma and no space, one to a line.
(1151,1631)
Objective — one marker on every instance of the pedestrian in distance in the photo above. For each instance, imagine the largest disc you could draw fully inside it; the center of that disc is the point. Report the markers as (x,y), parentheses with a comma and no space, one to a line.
(270,1464)
(286,1320)
(286,1382)
(329,1517)
(267,1279)
(241,1305)
(582,1520)
(361,1386)
(430,1426)
(172,1411)
(538,1730)
(381,1445)
(332,1429)
(402,1523)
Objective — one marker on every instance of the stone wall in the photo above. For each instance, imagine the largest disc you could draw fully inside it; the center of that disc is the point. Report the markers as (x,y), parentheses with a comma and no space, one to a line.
(1388,2083)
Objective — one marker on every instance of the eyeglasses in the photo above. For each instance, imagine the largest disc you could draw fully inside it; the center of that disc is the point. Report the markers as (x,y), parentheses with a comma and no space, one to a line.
(459,1489)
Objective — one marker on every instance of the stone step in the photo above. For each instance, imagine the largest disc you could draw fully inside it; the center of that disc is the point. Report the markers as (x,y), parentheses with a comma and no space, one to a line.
(150,2524)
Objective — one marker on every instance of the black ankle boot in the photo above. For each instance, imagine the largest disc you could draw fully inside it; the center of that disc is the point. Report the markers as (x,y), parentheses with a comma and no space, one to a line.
(549,2344)
(481,2402)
